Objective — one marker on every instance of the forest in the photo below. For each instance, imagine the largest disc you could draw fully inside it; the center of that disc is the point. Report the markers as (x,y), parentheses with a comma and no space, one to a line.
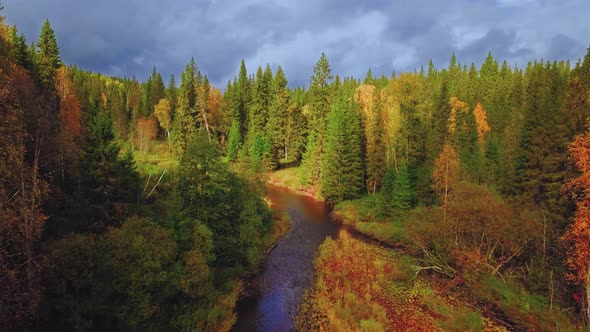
(141,205)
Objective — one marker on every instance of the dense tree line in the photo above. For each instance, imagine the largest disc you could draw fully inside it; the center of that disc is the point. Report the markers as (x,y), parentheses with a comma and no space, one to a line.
(490,142)
(91,240)
(488,145)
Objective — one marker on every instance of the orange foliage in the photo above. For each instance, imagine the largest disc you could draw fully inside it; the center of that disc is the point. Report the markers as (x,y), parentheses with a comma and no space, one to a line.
(365,98)
(481,117)
(214,107)
(147,130)
(352,292)
(456,106)
(446,170)
(22,193)
(578,234)
(70,117)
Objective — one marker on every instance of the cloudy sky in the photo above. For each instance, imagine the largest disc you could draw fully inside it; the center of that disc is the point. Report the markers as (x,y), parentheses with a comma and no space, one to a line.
(129,37)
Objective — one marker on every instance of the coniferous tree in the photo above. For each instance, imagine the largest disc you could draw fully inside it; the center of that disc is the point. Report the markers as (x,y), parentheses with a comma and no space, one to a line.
(233,143)
(375,150)
(277,116)
(110,182)
(342,164)
(319,105)
(402,197)
(48,59)
(243,97)
(185,120)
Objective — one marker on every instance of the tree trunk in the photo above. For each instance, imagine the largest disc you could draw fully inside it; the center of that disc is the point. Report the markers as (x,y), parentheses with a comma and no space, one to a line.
(286,151)
(206,124)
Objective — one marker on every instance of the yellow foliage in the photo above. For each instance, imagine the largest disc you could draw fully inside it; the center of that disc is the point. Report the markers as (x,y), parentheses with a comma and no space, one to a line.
(456,106)
(481,117)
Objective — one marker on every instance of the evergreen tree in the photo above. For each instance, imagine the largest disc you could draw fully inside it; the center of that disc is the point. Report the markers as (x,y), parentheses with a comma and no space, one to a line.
(233,144)
(243,97)
(48,58)
(20,50)
(277,117)
(185,121)
(319,106)
(375,150)
(172,95)
(542,162)
(110,182)
(342,165)
(401,196)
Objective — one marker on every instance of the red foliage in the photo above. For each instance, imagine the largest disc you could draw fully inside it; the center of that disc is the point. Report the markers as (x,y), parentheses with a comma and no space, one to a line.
(578,233)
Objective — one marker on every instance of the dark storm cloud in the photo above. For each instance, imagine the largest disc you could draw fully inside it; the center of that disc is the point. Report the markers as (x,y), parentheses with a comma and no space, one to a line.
(130,37)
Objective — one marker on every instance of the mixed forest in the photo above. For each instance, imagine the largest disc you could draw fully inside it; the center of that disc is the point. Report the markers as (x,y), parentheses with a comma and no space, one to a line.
(140,205)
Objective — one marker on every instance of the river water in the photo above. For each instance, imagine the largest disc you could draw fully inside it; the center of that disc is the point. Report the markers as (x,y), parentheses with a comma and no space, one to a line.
(288,270)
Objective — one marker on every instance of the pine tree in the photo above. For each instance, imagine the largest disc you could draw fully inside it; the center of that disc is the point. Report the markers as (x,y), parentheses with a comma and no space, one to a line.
(185,121)
(402,196)
(172,95)
(110,182)
(48,58)
(20,50)
(342,166)
(277,116)
(319,97)
(234,141)
(542,161)
(243,97)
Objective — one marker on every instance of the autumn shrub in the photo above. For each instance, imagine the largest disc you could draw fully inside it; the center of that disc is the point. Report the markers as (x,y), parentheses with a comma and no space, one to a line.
(478,233)
(348,287)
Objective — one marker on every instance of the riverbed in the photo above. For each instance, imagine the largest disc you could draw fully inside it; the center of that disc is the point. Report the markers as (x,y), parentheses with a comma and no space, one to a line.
(288,270)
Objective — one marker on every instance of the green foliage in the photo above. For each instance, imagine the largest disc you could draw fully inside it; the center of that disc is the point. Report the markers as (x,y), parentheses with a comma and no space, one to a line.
(110,181)
(319,95)
(227,204)
(402,197)
(342,165)
(234,140)
(48,59)
(261,153)
(185,120)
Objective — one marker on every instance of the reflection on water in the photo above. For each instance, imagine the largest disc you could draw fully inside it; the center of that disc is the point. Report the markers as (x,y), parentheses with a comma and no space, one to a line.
(288,271)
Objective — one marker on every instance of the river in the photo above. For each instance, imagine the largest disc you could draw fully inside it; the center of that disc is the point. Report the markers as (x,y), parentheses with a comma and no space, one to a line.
(288,270)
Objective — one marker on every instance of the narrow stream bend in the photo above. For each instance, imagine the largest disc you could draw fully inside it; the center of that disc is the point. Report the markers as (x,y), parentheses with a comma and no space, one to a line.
(288,270)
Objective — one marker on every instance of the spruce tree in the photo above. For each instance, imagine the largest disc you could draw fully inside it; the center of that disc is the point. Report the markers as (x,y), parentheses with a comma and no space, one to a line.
(277,115)
(401,195)
(243,98)
(48,58)
(172,95)
(185,121)
(319,106)
(342,166)
(375,150)
(110,182)
(234,141)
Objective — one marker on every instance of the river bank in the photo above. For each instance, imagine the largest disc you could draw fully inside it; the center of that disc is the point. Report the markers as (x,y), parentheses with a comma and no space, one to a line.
(288,269)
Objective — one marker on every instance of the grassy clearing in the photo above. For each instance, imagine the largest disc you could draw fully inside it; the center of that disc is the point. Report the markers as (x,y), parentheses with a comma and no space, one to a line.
(507,299)
(366,209)
(290,178)
(156,160)
(362,287)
